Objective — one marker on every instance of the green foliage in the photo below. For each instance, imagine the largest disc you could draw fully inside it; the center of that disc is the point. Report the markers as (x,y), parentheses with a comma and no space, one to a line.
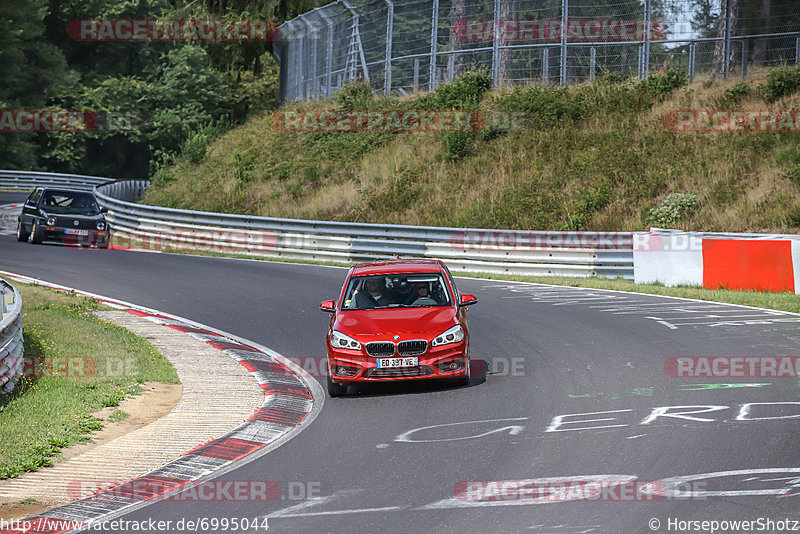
(659,86)
(456,145)
(493,132)
(244,167)
(793,174)
(465,93)
(672,209)
(781,82)
(788,156)
(356,95)
(733,96)
(545,107)
(195,147)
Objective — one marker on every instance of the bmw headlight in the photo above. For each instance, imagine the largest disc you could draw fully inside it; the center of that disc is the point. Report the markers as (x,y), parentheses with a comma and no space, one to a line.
(451,335)
(341,341)
(51,221)
(101,225)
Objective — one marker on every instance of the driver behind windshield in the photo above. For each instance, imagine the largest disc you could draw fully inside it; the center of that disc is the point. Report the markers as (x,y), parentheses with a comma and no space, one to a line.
(375,294)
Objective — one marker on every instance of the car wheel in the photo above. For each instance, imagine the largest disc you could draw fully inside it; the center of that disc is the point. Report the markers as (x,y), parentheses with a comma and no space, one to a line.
(35,236)
(21,235)
(336,390)
(464,380)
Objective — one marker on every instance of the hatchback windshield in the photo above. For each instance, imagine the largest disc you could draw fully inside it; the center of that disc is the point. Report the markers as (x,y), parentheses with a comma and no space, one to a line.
(400,290)
(69,202)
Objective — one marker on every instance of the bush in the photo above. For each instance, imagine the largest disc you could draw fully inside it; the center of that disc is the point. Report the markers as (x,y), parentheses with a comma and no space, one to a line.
(456,145)
(544,106)
(781,82)
(733,95)
(793,174)
(672,209)
(465,93)
(195,147)
(355,95)
(659,86)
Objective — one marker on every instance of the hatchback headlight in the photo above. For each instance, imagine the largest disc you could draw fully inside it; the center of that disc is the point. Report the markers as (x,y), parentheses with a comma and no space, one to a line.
(51,221)
(341,341)
(451,335)
(101,225)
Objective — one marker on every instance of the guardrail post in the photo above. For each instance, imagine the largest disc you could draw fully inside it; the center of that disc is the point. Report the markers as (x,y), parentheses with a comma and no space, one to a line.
(562,78)
(387,74)
(434,43)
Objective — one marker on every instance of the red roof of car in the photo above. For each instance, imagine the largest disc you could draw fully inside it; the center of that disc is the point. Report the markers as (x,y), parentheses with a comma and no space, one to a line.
(397,266)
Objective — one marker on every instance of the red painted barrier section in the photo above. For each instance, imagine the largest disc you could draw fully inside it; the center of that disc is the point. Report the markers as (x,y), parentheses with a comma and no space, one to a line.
(748,264)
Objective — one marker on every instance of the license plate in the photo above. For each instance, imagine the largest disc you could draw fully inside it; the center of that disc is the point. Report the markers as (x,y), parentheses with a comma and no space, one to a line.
(76,232)
(384,363)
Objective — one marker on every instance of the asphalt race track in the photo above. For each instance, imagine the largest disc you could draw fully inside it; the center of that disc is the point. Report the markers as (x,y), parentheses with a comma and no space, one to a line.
(544,352)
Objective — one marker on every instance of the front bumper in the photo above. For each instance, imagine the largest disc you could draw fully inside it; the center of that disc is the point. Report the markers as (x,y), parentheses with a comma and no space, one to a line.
(92,237)
(355,366)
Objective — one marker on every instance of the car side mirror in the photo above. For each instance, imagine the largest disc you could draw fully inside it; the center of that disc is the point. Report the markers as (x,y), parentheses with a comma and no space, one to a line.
(103,210)
(328,306)
(468,300)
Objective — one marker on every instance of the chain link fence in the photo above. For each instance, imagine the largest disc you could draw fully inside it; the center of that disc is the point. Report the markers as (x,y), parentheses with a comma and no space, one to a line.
(402,47)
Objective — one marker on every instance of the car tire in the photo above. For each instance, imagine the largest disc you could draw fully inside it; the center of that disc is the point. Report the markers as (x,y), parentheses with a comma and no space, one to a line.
(21,235)
(464,380)
(336,390)
(35,236)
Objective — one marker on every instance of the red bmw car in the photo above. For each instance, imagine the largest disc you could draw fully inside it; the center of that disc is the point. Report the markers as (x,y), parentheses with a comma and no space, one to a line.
(397,320)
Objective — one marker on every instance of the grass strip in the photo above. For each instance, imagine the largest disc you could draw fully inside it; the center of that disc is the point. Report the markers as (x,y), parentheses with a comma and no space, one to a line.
(76,365)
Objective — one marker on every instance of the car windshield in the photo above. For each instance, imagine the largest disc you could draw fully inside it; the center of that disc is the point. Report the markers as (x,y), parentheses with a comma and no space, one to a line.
(68,202)
(396,290)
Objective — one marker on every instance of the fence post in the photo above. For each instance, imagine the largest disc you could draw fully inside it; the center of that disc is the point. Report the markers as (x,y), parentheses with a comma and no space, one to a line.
(562,77)
(313,34)
(646,38)
(387,74)
(592,63)
(692,51)
(744,59)
(726,44)
(545,65)
(797,51)
(451,67)
(328,53)
(496,45)
(434,42)
(640,63)
(416,74)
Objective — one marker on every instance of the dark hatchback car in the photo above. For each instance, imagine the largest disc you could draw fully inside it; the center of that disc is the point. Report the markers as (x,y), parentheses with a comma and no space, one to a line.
(72,217)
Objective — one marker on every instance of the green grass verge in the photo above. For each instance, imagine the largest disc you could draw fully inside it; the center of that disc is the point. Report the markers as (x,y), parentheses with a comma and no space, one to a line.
(53,408)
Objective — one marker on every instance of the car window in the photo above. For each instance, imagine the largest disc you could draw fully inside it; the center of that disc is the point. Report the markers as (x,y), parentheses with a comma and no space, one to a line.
(67,202)
(396,290)
(34,198)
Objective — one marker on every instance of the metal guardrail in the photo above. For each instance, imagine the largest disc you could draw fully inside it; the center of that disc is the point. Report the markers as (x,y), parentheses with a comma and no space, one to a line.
(607,254)
(28,180)
(11,344)
(465,250)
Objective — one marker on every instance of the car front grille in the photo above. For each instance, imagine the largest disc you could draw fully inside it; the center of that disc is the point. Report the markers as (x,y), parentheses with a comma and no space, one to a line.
(380,348)
(412,348)
(69,222)
(398,372)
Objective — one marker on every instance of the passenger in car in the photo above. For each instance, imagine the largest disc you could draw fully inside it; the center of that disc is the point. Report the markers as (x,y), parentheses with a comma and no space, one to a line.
(421,295)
